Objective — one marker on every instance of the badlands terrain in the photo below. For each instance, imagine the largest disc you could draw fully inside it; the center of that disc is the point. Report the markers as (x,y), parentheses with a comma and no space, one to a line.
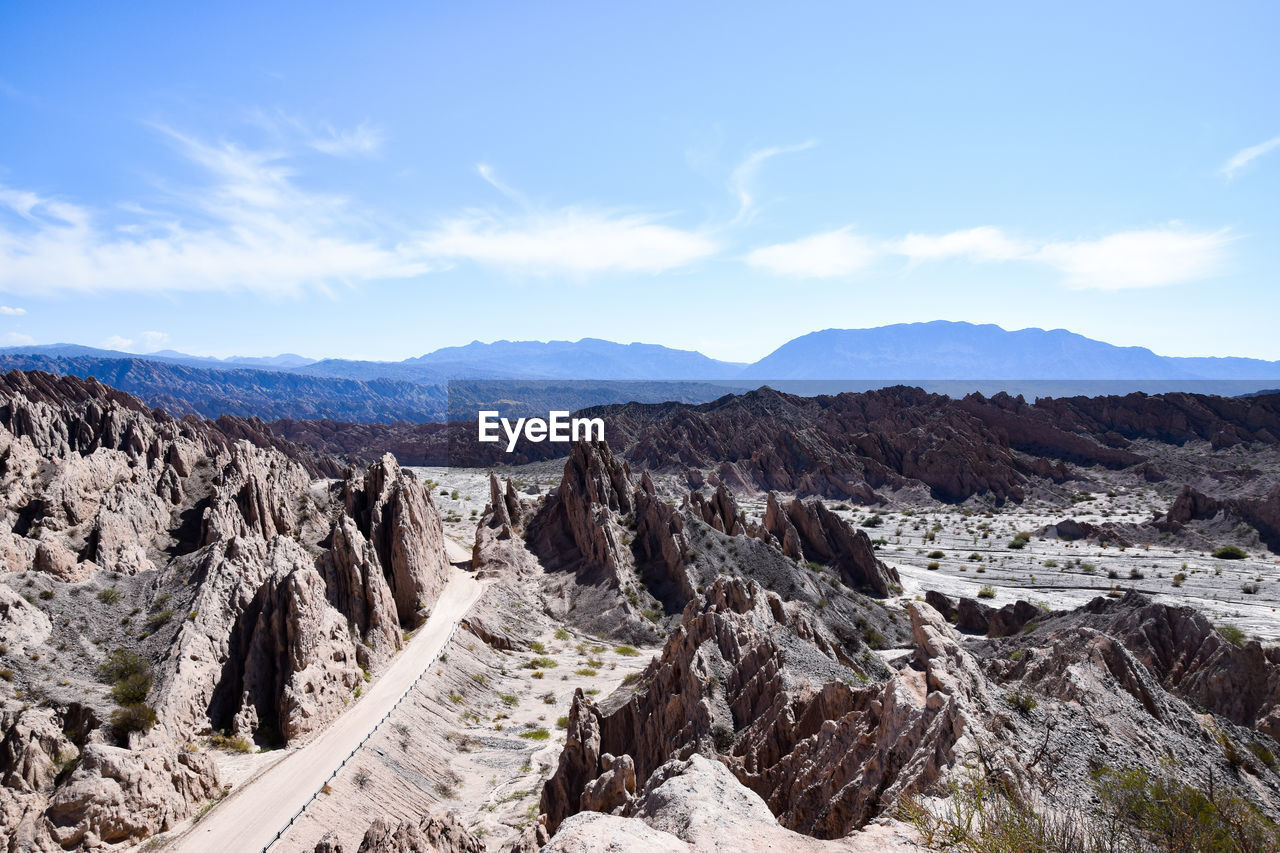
(882,621)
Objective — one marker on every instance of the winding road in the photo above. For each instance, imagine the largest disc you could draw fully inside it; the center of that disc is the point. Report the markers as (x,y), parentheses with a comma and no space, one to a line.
(251,816)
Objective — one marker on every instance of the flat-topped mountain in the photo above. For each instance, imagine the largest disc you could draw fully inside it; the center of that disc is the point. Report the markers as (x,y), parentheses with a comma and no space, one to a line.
(948,350)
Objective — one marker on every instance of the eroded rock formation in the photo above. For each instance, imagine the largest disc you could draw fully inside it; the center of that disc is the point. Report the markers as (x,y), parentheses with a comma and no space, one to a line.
(265,598)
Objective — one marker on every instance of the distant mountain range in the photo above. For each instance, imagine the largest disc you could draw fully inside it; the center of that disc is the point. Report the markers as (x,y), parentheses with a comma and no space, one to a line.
(943,356)
(946,350)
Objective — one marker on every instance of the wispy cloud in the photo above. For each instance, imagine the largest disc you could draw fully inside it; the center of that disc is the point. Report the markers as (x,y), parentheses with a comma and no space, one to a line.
(742,179)
(249,227)
(1245,156)
(568,240)
(362,140)
(143,342)
(832,254)
(10,311)
(1153,257)
(491,178)
(18,339)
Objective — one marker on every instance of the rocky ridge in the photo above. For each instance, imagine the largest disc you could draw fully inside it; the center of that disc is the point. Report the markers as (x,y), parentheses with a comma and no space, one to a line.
(268,599)
(1116,684)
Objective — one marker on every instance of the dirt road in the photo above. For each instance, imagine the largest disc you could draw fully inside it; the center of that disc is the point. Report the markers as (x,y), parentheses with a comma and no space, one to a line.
(250,817)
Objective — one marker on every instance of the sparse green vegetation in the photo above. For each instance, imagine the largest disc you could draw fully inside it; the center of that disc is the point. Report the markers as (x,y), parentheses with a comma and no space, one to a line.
(1136,810)
(156,621)
(110,595)
(231,743)
(1232,635)
(561,634)
(1024,703)
(987,591)
(536,734)
(132,718)
(540,663)
(1230,552)
(626,651)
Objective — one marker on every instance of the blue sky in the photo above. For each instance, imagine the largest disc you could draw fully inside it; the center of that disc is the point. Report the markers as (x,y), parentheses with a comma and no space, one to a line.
(325,179)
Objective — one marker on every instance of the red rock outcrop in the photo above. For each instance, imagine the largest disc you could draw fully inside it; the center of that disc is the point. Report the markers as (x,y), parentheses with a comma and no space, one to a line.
(808,530)
(1262,514)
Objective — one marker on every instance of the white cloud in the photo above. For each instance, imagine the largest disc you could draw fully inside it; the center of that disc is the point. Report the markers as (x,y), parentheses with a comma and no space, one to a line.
(9,311)
(1245,156)
(118,342)
(1133,259)
(984,243)
(743,176)
(828,255)
(569,240)
(251,227)
(18,339)
(1129,259)
(361,140)
(144,342)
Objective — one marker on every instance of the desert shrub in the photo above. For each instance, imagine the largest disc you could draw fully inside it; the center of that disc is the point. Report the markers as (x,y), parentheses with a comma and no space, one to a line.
(987,591)
(626,651)
(122,664)
(1050,564)
(540,663)
(132,718)
(1024,703)
(536,734)
(1262,753)
(975,557)
(936,555)
(232,743)
(1232,634)
(872,521)
(562,634)
(586,672)
(132,689)
(933,566)
(722,737)
(1180,578)
(562,722)
(509,699)
(537,648)
(1230,552)
(1168,814)
(1017,543)
(110,595)
(1137,811)
(156,621)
